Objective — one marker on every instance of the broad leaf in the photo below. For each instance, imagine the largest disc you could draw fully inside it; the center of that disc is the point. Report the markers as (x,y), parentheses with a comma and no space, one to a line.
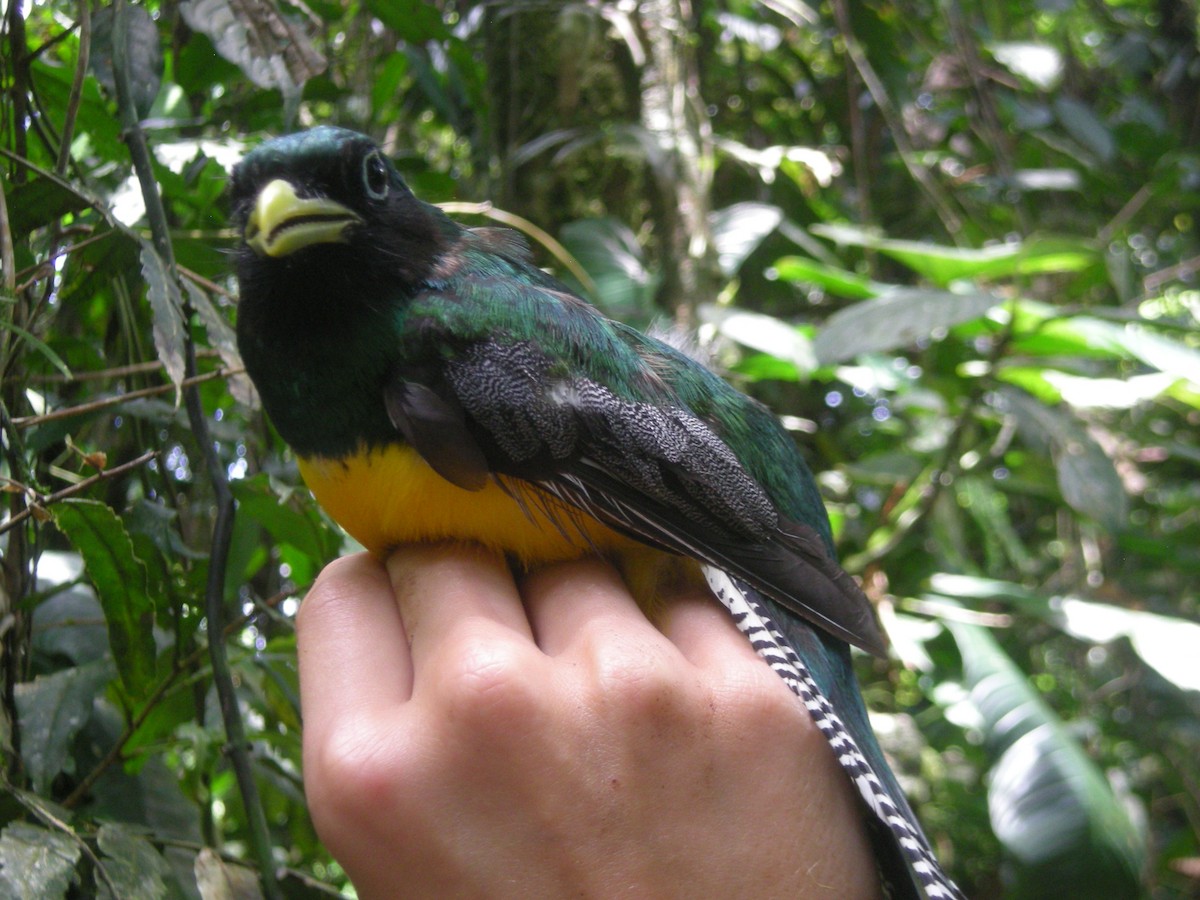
(284,522)
(1050,805)
(898,318)
(834,280)
(764,333)
(120,580)
(35,863)
(52,709)
(412,20)
(1086,476)
(39,202)
(609,252)
(271,49)
(167,305)
(137,871)
(1164,642)
(143,53)
(942,264)
(1086,127)
(739,229)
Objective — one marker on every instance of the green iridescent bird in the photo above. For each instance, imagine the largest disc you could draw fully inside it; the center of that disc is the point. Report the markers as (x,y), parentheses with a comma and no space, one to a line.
(435,384)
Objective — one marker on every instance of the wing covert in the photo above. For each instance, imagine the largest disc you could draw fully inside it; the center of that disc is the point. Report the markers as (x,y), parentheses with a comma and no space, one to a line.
(651,470)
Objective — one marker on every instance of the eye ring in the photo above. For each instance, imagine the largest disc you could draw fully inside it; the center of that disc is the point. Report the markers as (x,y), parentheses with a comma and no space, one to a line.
(375,175)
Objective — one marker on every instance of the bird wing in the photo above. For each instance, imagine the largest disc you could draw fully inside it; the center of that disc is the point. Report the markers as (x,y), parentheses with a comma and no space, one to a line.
(649,469)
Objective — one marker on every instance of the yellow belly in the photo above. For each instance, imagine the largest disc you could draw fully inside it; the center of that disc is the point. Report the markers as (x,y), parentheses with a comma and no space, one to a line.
(391,496)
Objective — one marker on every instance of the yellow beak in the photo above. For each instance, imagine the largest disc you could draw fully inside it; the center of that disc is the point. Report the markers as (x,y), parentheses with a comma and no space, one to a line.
(282,222)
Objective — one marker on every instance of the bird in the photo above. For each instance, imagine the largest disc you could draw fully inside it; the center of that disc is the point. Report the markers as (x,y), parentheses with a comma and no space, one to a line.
(434,383)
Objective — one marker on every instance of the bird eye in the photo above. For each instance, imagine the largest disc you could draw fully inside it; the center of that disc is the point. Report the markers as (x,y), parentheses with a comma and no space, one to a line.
(375,175)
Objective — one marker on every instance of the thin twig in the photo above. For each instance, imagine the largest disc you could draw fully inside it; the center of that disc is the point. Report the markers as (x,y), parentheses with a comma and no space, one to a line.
(942,202)
(44,267)
(116,751)
(205,283)
(37,502)
(49,818)
(943,472)
(557,250)
(1155,280)
(76,97)
(116,400)
(991,130)
(8,256)
(119,372)
(1131,208)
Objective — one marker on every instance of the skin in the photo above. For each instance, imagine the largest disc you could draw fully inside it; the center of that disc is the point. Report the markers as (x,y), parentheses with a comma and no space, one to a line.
(468,734)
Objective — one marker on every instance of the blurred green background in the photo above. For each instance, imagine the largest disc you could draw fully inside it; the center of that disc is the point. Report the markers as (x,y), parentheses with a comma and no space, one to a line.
(952,244)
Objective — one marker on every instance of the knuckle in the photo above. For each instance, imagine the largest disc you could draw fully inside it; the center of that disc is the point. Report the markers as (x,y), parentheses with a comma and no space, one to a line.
(488,686)
(350,773)
(638,683)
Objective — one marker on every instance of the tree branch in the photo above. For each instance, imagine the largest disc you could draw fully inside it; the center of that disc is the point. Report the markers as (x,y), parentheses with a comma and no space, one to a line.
(260,838)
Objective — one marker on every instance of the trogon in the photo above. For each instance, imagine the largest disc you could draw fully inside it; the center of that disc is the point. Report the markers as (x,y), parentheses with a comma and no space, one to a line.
(435,384)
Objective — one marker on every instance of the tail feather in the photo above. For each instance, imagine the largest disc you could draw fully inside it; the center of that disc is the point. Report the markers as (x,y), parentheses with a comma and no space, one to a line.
(853,742)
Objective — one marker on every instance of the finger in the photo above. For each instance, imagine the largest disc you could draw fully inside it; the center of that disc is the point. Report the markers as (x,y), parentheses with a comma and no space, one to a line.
(449,592)
(352,650)
(708,639)
(703,630)
(587,597)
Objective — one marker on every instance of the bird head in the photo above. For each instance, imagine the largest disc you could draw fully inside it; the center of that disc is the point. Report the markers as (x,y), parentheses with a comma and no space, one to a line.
(328,204)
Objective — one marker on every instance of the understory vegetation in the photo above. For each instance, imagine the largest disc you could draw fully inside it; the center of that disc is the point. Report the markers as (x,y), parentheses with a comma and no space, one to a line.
(953,245)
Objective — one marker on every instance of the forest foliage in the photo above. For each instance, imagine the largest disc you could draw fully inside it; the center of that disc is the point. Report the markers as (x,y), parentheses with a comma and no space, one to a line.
(953,245)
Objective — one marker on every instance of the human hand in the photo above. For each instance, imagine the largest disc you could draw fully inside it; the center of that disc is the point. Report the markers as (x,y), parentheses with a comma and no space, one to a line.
(466,734)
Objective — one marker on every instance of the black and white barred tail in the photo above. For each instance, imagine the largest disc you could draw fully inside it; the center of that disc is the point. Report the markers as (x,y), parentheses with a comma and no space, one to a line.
(743,604)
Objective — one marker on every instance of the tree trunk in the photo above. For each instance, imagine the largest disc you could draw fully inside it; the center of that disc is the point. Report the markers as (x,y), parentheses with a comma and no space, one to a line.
(680,155)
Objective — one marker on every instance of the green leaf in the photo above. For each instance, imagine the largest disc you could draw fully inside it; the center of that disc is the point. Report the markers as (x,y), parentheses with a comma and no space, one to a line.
(52,709)
(765,367)
(38,202)
(38,345)
(69,624)
(272,50)
(286,523)
(896,319)
(609,252)
(764,333)
(167,305)
(143,54)
(1087,478)
(121,585)
(412,20)
(739,229)
(1086,127)
(836,281)
(1165,643)
(1050,806)
(1161,352)
(942,265)
(137,871)
(387,81)
(36,864)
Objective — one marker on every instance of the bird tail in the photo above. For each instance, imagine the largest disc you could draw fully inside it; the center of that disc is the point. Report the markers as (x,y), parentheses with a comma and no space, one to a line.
(908,867)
